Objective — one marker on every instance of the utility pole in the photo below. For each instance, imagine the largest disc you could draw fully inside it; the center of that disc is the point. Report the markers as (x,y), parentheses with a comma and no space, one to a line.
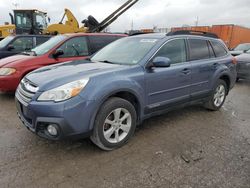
(16,5)
(197,21)
(132,25)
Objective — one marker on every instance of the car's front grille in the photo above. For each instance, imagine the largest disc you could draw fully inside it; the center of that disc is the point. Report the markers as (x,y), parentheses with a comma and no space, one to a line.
(25,91)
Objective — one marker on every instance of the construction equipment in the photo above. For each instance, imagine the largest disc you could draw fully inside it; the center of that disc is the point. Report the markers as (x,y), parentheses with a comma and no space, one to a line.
(25,21)
(90,24)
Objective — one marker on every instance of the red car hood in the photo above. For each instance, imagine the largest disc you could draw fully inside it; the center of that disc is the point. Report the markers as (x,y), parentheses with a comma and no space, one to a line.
(13,60)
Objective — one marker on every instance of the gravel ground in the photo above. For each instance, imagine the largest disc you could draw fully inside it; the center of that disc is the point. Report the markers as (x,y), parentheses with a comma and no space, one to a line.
(191,147)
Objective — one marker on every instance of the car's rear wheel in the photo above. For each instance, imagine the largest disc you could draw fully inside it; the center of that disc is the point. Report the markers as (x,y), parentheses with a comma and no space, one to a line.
(218,97)
(115,123)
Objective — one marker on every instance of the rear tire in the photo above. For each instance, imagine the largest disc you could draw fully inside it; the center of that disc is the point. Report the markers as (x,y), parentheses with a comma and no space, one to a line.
(115,124)
(218,96)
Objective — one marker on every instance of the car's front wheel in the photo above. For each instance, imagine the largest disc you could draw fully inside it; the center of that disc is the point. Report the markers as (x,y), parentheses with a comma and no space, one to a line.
(218,96)
(115,123)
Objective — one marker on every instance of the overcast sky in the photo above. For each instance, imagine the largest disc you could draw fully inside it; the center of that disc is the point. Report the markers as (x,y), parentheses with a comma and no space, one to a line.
(145,14)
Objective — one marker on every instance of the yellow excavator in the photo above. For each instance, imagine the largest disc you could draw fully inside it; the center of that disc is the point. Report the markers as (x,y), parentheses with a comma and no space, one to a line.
(90,24)
(32,21)
(25,21)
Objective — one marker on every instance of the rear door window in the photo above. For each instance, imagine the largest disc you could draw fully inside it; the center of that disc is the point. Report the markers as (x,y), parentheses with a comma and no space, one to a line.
(40,40)
(175,50)
(198,49)
(22,44)
(75,47)
(219,49)
(98,42)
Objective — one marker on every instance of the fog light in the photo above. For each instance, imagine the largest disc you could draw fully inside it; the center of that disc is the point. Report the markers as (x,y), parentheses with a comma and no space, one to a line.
(52,130)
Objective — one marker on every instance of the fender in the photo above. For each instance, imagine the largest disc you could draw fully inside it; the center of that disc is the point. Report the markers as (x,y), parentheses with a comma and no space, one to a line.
(118,85)
(222,70)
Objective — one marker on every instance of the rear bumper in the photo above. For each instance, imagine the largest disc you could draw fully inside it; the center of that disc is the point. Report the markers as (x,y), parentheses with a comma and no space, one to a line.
(9,83)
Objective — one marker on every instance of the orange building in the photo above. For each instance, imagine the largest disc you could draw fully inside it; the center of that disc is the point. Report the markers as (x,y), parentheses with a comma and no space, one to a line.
(232,35)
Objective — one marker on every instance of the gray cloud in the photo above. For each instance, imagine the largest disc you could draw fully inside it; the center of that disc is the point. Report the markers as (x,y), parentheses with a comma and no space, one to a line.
(146,13)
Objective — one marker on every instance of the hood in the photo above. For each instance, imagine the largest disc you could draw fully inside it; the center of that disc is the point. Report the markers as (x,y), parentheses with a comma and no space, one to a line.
(236,52)
(52,76)
(243,57)
(13,60)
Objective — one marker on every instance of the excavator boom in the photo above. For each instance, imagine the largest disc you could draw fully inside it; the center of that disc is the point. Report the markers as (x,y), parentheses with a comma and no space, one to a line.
(112,17)
(90,25)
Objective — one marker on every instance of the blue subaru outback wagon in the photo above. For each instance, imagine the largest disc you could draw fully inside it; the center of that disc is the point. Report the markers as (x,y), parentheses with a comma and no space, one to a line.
(131,79)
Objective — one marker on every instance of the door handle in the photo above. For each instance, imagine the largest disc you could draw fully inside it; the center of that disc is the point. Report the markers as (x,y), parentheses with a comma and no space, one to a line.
(186,71)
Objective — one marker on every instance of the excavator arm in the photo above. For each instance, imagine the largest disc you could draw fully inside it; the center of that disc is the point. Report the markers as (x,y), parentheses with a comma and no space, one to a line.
(71,20)
(112,17)
(71,25)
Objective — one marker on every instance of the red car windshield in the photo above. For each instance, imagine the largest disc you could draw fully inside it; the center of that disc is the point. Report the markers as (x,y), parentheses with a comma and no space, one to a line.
(47,46)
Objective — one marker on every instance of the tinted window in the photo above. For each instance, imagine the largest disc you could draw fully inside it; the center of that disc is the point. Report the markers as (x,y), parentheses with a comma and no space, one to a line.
(23,20)
(242,47)
(98,42)
(219,49)
(198,49)
(175,50)
(22,44)
(40,40)
(76,46)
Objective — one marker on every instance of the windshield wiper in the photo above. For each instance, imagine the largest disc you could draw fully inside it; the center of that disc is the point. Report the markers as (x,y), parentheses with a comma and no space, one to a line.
(107,61)
(33,53)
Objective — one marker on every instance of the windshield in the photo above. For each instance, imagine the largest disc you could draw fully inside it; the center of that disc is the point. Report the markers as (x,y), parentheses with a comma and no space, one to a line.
(5,41)
(47,46)
(242,47)
(40,21)
(128,51)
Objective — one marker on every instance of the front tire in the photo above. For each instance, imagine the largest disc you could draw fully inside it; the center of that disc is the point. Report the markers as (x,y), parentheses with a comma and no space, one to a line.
(115,124)
(218,97)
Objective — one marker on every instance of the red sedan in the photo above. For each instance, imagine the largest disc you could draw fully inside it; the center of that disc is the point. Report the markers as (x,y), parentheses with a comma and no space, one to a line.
(58,49)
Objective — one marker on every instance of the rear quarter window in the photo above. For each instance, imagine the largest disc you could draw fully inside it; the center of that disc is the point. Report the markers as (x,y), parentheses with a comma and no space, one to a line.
(219,48)
(98,42)
(198,49)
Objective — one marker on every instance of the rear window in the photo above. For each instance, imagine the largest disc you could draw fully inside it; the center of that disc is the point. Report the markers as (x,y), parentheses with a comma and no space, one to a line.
(219,49)
(40,40)
(98,42)
(198,49)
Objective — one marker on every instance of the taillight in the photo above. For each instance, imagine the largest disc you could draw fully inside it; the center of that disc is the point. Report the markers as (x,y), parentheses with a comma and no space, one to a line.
(234,60)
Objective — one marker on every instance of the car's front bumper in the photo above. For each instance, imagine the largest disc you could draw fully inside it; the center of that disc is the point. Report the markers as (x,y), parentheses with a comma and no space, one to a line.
(72,117)
(9,83)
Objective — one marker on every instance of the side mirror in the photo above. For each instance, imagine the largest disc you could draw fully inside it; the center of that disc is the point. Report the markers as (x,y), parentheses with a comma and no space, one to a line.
(10,47)
(245,51)
(58,52)
(160,62)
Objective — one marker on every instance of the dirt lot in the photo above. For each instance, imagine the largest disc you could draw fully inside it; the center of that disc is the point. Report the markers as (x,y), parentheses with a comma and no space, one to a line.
(191,147)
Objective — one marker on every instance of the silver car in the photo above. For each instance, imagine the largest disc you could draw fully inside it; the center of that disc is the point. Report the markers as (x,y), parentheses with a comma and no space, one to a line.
(243,66)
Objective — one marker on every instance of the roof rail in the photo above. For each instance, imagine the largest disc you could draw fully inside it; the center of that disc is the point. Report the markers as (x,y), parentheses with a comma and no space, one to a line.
(193,32)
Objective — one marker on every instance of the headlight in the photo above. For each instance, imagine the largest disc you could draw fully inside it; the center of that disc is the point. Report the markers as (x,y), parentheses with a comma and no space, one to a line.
(7,71)
(64,92)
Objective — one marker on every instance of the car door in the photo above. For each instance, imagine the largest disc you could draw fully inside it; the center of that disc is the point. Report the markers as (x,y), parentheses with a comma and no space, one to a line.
(204,64)
(169,86)
(74,49)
